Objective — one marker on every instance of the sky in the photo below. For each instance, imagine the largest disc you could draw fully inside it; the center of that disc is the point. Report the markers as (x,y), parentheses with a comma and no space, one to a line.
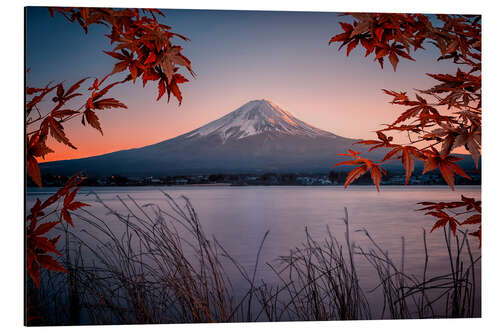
(238,56)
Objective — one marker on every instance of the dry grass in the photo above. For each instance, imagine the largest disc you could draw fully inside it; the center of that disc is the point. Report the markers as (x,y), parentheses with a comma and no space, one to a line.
(162,268)
(406,296)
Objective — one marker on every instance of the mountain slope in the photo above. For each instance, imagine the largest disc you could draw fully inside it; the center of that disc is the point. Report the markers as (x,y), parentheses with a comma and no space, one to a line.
(257,117)
(257,137)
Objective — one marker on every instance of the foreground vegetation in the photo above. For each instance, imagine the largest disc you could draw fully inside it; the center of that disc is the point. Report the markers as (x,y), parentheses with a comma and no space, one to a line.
(161,267)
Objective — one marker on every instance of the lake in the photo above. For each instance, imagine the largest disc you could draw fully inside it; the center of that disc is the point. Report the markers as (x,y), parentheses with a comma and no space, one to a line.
(239,217)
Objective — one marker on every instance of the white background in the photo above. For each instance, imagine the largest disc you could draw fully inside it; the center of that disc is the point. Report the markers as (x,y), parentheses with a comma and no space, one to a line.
(12,162)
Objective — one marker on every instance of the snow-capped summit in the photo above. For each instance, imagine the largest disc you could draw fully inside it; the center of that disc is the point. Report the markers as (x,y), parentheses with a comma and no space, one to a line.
(257,117)
(257,137)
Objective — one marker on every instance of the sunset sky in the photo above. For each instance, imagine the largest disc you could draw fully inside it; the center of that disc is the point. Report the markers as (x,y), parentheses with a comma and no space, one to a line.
(238,56)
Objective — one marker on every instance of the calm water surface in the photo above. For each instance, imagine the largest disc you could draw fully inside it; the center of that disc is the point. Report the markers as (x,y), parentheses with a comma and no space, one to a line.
(239,217)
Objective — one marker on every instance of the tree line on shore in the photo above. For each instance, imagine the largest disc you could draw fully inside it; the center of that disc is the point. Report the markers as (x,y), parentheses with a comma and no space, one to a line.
(269,178)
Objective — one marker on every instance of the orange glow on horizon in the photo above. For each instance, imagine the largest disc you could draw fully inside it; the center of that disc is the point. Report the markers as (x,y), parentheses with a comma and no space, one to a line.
(167,124)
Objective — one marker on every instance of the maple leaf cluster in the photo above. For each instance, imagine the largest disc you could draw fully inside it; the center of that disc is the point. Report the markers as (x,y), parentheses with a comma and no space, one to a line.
(42,123)
(143,46)
(365,165)
(144,49)
(392,36)
(448,213)
(437,120)
(39,246)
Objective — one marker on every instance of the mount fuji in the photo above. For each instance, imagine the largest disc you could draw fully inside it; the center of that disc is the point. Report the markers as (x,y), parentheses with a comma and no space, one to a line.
(257,137)
(259,117)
